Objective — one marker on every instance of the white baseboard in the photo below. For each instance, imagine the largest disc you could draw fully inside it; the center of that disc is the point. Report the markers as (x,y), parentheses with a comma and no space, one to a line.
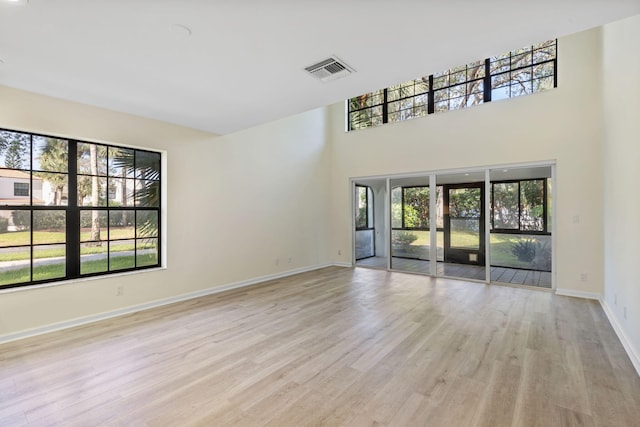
(578,294)
(153,304)
(342,264)
(633,353)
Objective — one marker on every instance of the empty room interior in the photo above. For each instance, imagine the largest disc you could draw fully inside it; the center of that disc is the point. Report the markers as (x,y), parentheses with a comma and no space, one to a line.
(319,213)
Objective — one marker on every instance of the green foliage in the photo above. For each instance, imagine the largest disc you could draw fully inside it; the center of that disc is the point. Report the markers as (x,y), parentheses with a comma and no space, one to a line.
(542,259)
(16,148)
(49,220)
(4,225)
(524,250)
(403,238)
(416,207)
(21,219)
(465,203)
(396,207)
(361,219)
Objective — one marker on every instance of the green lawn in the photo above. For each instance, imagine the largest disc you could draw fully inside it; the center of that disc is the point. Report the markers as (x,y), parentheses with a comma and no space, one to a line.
(44,237)
(501,245)
(53,271)
(47,237)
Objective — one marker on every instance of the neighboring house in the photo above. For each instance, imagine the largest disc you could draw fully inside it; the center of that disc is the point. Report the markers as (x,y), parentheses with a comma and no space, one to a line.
(15,190)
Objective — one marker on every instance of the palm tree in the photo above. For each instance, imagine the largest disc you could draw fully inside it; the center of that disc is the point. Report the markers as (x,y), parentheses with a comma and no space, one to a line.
(145,166)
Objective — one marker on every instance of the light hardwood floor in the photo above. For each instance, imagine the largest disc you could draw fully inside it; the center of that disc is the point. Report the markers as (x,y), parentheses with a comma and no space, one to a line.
(333,347)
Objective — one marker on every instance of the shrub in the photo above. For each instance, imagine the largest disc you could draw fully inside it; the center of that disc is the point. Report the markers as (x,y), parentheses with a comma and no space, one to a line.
(21,219)
(524,250)
(4,225)
(49,220)
(542,259)
(404,238)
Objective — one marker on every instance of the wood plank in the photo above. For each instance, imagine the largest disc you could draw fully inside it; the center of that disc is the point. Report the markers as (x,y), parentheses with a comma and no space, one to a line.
(337,346)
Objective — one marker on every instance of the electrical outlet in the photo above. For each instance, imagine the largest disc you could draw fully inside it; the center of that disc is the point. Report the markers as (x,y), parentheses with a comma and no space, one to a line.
(584,277)
(277,261)
(339,252)
(119,291)
(289,260)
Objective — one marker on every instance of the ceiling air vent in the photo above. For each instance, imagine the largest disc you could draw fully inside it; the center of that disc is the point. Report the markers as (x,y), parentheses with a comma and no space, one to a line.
(329,69)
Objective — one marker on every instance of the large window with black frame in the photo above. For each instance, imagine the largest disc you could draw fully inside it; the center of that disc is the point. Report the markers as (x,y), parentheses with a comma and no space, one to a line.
(518,72)
(70,209)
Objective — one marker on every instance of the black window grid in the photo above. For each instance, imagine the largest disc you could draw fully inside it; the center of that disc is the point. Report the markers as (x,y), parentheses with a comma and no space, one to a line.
(505,76)
(71,211)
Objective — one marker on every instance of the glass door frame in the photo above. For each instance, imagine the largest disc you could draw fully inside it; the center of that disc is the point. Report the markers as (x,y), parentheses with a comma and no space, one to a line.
(458,255)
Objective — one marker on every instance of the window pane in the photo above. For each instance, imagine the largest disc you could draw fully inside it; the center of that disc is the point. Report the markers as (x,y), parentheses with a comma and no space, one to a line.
(531,206)
(521,76)
(505,205)
(121,224)
(120,192)
(465,233)
(49,226)
(92,191)
(441,106)
(12,180)
(49,262)
(146,252)
(54,189)
(15,265)
(147,165)
(475,71)
(121,162)
(543,70)
(361,207)
(92,159)
(542,84)
(15,150)
(93,226)
(544,54)
(522,251)
(464,203)
(50,154)
(440,80)
(147,193)
(416,207)
(396,207)
(14,228)
(93,258)
(121,254)
(147,224)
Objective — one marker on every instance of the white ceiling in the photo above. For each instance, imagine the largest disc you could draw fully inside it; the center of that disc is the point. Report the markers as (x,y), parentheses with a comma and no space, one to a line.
(243,63)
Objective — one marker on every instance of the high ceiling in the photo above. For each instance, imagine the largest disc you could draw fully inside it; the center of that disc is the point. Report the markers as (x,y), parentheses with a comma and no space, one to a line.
(226,65)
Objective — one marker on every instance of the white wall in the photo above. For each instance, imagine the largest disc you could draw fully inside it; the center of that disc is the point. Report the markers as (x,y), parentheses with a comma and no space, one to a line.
(621,90)
(235,204)
(563,124)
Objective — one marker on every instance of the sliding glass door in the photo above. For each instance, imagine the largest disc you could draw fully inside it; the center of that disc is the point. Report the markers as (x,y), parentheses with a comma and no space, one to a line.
(491,224)
(410,224)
